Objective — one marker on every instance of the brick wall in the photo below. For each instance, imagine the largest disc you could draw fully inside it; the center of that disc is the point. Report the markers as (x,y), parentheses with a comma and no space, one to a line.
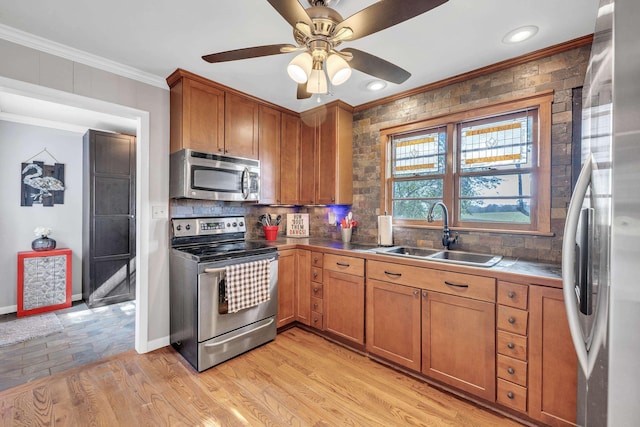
(561,73)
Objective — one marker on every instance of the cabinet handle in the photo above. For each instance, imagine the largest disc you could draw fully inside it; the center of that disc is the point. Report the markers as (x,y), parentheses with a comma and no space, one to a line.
(511,371)
(511,294)
(315,290)
(512,320)
(416,292)
(424,294)
(511,345)
(315,274)
(315,320)
(315,305)
(315,259)
(343,265)
(510,395)
(455,285)
(389,273)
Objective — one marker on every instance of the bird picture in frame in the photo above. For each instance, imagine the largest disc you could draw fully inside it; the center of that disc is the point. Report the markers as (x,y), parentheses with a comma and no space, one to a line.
(42,184)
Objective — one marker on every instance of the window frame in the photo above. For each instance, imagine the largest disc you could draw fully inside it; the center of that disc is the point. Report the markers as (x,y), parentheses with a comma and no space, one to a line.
(540,170)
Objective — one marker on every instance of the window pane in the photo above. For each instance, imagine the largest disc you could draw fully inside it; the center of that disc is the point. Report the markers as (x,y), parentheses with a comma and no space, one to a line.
(499,144)
(502,210)
(419,154)
(410,209)
(421,188)
(515,185)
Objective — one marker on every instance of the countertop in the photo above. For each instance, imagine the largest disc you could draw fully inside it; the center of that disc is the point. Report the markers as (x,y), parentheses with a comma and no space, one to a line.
(511,269)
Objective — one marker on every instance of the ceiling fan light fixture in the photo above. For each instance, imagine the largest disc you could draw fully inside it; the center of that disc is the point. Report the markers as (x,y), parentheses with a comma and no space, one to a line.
(300,67)
(338,69)
(317,82)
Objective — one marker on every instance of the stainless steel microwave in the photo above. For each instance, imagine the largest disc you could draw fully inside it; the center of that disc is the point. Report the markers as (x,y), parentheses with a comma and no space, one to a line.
(198,175)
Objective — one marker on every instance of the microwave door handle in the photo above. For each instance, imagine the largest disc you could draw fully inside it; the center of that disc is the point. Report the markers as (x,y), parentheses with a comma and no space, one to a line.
(245,183)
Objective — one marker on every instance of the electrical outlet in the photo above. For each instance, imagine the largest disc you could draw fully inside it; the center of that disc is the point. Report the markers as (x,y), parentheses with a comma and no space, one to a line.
(158,212)
(332,218)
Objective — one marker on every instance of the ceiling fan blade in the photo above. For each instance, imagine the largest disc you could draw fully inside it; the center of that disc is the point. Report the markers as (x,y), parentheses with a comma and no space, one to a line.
(377,67)
(249,52)
(385,14)
(292,11)
(302,91)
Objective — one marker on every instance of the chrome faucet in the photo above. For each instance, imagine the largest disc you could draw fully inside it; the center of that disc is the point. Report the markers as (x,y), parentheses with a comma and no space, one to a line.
(447,240)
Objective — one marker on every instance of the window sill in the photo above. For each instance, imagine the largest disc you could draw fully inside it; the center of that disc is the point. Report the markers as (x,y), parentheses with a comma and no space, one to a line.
(478,230)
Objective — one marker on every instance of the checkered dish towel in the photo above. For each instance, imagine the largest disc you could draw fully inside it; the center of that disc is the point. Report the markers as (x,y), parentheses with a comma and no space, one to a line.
(247,284)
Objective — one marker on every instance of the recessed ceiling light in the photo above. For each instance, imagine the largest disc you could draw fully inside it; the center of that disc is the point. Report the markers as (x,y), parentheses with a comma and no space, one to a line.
(376,85)
(520,34)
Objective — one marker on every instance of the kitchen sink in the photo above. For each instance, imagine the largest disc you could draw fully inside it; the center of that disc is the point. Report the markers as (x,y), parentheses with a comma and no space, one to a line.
(453,257)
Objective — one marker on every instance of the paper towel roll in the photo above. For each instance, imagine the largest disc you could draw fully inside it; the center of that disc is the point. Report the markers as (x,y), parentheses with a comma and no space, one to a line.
(385,230)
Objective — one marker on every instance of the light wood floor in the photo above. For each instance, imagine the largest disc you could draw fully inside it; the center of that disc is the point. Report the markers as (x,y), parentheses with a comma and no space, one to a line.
(299,379)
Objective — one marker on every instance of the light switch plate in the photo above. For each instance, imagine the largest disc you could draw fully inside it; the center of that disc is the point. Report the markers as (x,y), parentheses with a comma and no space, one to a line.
(332,218)
(158,212)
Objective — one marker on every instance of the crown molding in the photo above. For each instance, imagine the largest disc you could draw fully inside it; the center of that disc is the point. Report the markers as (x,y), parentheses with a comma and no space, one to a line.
(57,49)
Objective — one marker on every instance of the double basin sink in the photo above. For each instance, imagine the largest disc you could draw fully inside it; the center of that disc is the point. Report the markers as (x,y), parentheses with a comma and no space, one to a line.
(453,257)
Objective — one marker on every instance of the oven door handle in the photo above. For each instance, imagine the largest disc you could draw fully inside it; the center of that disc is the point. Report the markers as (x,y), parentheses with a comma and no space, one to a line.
(218,270)
(216,344)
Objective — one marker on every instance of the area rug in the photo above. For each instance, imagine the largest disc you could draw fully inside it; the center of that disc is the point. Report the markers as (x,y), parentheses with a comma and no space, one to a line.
(28,328)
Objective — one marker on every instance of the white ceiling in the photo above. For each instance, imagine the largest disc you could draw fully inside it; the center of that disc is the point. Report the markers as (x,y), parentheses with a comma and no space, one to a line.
(158,36)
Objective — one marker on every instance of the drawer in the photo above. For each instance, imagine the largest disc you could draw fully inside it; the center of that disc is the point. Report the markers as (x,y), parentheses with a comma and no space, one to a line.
(344,264)
(316,274)
(317,320)
(316,259)
(316,305)
(512,395)
(512,320)
(513,294)
(512,345)
(512,370)
(459,284)
(316,290)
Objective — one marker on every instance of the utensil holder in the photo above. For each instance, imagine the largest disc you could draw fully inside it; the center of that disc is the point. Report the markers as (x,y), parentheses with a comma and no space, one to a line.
(346,234)
(270,232)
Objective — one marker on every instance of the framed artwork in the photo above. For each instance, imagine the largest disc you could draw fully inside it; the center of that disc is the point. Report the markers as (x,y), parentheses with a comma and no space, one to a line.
(43,184)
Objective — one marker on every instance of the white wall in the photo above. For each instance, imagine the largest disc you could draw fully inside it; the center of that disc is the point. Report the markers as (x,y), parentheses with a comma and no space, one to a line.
(19,142)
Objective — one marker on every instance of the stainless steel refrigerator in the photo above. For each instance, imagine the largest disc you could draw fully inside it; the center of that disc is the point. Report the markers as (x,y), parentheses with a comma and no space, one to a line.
(601,247)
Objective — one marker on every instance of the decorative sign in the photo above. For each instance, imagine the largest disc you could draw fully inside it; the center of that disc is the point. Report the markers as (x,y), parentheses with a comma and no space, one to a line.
(42,184)
(298,225)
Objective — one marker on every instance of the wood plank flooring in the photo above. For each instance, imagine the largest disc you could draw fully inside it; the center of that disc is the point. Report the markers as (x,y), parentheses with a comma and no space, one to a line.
(299,379)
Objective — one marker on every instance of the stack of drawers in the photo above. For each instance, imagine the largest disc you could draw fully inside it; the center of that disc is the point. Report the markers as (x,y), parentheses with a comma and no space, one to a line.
(511,335)
(317,320)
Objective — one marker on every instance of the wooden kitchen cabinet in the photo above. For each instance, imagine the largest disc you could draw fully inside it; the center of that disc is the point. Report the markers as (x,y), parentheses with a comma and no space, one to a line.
(552,359)
(287,295)
(303,298)
(269,153)
(197,113)
(458,342)
(241,126)
(290,157)
(393,323)
(326,160)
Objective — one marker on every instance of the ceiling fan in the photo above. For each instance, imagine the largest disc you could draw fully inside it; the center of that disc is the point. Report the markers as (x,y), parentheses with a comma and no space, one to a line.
(318,30)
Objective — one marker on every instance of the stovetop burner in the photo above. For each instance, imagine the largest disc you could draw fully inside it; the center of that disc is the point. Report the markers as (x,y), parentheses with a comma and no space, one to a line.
(214,251)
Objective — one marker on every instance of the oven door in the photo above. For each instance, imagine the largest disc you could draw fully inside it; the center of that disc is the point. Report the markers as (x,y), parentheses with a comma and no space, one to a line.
(213,318)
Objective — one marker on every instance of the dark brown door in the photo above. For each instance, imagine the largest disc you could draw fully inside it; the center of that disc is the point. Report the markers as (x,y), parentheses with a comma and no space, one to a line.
(109,223)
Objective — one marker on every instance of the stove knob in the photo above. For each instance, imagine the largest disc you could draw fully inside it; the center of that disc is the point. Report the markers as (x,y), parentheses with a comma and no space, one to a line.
(235,224)
(179,228)
(241,224)
(228,225)
(188,227)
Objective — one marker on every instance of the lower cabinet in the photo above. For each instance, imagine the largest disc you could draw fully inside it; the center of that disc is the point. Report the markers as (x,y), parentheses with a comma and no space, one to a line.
(344,305)
(286,287)
(393,323)
(303,290)
(458,342)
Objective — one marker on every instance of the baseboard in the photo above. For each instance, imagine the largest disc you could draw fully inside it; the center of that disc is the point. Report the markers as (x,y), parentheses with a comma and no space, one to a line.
(158,343)
(9,309)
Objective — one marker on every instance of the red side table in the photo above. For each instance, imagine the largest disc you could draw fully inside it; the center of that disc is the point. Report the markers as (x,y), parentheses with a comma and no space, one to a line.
(44,281)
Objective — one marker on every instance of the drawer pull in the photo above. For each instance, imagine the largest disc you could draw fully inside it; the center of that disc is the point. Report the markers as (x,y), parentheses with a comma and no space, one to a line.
(315,320)
(315,290)
(511,371)
(416,292)
(343,265)
(424,294)
(389,273)
(511,294)
(455,285)
(315,274)
(510,395)
(512,320)
(511,345)
(315,305)
(315,259)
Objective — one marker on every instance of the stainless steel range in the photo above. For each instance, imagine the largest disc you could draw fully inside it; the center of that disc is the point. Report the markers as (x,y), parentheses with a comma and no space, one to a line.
(203,252)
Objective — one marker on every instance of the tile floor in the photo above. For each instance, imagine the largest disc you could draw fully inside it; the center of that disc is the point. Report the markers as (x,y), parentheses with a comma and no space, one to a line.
(88,335)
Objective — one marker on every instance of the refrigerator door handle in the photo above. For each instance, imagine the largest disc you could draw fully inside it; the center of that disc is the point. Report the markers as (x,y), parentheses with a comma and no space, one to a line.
(568,263)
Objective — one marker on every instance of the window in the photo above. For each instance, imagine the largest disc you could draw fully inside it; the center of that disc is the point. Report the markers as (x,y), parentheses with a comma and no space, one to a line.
(484,164)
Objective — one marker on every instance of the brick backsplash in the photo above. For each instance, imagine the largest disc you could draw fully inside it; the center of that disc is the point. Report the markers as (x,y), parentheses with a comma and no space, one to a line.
(561,72)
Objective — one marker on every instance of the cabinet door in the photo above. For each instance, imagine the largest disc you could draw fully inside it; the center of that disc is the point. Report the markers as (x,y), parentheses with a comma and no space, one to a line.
(197,117)
(307,159)
(286,287)
(241,126)
(458,342)
(393,323)
(303,288)
(344,305)
(269,149)
(552,359)
(290,158)
(326,153)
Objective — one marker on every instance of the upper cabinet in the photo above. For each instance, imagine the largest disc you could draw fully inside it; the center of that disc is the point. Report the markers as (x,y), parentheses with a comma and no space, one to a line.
(197,113)
(326,155)
(241,127)
(270,139)
(290,160)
